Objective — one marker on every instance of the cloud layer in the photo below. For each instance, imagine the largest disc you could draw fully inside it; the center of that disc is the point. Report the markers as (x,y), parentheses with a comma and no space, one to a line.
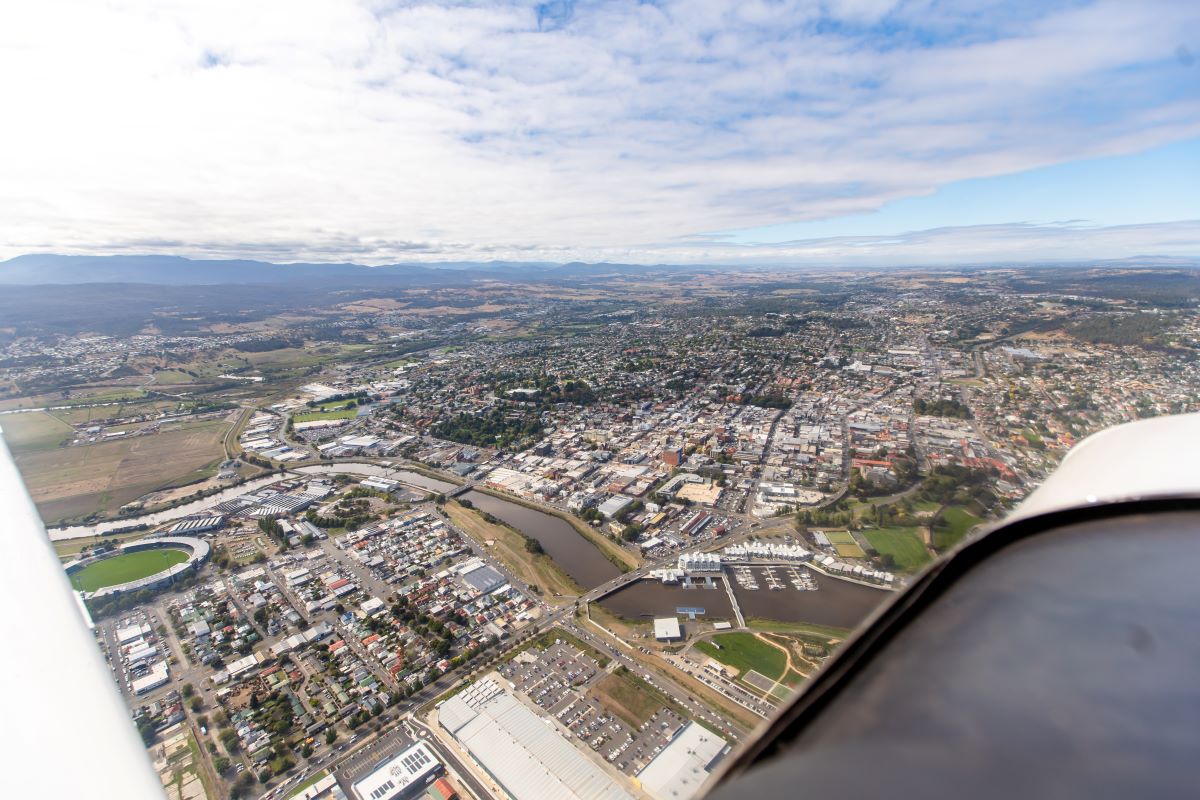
(565,130)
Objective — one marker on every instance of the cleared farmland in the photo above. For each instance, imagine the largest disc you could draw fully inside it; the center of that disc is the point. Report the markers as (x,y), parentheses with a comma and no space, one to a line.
(34,430)
(72,482)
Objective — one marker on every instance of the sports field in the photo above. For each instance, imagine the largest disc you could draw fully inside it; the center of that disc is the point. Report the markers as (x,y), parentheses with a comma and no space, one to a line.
(958,521)
(845,545)
(310,416)
(745,652)
(126,567)
(904,545)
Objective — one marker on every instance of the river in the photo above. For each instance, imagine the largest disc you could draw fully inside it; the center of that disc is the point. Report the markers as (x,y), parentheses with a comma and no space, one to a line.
(196,506)
(837,603)
(578,557)
(160,517)
(651,598)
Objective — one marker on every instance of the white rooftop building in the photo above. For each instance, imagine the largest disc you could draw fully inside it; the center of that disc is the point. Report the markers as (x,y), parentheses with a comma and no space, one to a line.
(678,772)
(667,629)
(522,752)
(411,768)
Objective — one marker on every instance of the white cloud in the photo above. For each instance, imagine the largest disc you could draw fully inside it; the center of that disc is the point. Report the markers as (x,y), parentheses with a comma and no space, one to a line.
(330,129)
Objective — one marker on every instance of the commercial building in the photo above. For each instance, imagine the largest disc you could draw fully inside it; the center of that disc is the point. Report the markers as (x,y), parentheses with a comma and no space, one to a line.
(666,629)
(325,789)
(196,525)
(615,505)
(158,676)
(524,754)
(678,772)
(403,775)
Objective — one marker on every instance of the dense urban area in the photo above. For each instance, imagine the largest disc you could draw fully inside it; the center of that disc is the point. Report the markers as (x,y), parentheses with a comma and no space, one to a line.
(571,534)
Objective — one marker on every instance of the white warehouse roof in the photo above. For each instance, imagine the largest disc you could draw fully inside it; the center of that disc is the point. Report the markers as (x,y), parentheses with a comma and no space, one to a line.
(667,628)
(521,751)
(678,772)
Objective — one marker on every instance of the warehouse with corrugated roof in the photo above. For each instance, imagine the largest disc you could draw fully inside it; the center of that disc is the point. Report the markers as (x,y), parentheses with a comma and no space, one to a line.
(521,751)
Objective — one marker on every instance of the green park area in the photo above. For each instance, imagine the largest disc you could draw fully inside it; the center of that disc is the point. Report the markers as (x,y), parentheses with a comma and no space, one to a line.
(904,545)
(125,567)
(745,652)
(951,526)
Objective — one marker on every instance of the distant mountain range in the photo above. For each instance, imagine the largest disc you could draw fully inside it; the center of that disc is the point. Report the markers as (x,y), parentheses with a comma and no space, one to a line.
(159,270)
(44,269)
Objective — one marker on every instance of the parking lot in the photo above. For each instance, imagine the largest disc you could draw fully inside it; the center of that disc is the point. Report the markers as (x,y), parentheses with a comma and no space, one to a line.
(561,680)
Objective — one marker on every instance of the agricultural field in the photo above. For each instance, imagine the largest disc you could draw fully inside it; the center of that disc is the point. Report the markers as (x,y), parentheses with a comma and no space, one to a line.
(74,482)
(904,545)
(172,377)
(845,545)
(33,431)
(125,567)
(76,396)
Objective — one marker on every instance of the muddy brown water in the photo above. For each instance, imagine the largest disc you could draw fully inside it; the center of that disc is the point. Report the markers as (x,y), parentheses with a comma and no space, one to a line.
(578,557)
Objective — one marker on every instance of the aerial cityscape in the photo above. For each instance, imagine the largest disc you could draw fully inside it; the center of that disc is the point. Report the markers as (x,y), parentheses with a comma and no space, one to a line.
(539,532)
(606,400)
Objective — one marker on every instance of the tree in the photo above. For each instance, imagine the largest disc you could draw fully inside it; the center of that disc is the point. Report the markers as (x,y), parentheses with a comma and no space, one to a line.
(330,736)
(146,729)
(221,764)
(188,690)
(229,739)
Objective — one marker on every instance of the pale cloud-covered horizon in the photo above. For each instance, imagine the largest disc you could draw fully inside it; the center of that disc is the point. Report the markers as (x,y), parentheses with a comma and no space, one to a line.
(631,132)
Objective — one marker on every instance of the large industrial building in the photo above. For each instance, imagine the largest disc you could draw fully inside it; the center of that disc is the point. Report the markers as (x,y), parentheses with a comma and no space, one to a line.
(402,776)
(522,752)
(678,772)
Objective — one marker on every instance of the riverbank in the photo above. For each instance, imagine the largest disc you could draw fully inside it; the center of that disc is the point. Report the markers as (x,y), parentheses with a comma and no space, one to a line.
(534,569)
(620,557)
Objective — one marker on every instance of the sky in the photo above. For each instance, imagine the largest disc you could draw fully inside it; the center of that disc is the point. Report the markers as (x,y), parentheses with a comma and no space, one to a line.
(793,132)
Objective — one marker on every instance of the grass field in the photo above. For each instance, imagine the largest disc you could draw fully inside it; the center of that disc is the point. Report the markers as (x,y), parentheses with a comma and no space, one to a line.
(628,697)
(904,545)
(126,567)
(960,521)
(32,431)
(535,570)
(309,416)
(71,482)
(845,545)
(745,652)
(171,377)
